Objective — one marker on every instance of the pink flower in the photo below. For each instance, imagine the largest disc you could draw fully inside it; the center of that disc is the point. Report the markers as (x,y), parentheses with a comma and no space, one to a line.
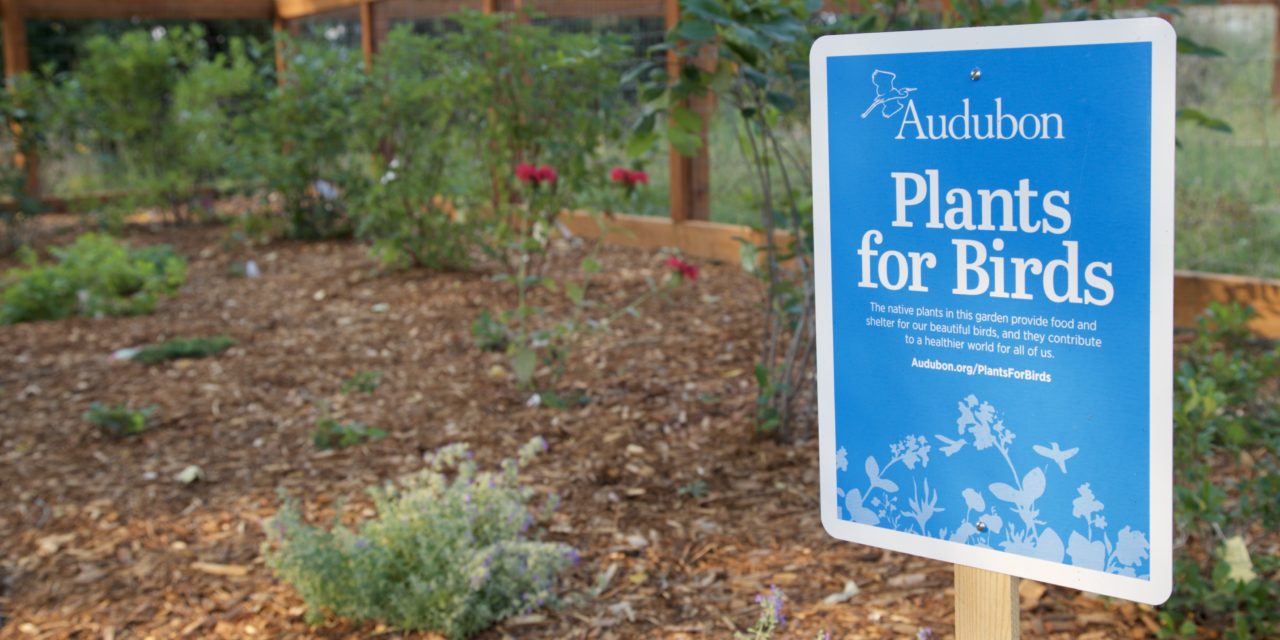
(526,172)
(638,177)
(684,269)
(619,174)
(547,174)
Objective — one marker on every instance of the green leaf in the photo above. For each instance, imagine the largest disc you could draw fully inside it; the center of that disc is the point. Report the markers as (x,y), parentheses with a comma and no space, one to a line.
(640,143)
(590,265)
(693,31)
(575,292)
(637,72)
(524,362)
(1200,118)
(1187,46)
(781,101)
(748,256)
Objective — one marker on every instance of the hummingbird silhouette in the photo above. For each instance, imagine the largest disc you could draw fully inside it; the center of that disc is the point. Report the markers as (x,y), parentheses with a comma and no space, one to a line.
(888,97)
(1056,454)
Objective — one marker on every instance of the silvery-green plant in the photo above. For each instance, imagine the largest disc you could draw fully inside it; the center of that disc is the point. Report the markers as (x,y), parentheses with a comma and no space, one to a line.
(449,551)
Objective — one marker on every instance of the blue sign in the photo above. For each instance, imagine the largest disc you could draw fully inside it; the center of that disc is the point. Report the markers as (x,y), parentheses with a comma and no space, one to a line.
(994,227)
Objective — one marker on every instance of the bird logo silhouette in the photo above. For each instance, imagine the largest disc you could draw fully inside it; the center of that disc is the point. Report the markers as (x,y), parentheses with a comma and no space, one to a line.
(888,97)
(1056,454)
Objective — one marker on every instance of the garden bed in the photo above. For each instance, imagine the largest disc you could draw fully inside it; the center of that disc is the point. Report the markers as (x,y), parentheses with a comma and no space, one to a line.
(98,540)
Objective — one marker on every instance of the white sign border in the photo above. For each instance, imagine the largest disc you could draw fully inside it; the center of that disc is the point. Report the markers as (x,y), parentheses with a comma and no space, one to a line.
(1163,50)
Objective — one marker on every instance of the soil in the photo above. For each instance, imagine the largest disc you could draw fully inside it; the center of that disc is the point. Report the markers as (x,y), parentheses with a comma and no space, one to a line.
(98,540)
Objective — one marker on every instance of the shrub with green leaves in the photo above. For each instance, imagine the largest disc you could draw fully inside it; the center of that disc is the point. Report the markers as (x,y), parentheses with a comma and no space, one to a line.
(165,110)
(404,209)
(449,551)
(183,348)
(118,420)
(303,131)
(1227,490)
(524,93)
(27,107)
(94,276)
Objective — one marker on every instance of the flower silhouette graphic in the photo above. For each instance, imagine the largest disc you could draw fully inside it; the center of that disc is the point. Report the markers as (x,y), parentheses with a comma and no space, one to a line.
(888,97)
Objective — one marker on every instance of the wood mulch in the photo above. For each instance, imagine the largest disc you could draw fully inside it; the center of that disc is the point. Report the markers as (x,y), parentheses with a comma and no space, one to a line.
(98,540)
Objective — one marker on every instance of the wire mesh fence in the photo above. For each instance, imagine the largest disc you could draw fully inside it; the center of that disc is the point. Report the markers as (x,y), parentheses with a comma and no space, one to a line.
(1229,183)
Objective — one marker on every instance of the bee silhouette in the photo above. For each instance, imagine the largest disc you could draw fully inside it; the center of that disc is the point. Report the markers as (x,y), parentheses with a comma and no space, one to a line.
(888,97)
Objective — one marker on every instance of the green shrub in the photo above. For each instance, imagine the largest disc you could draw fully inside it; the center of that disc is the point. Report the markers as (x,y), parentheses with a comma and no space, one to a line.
(558,106)
(332,434)
(448,551)
(27,108)
(92,277)
(183,348)
(407,113)
(303,132)
(163,109)
(1227,461)
(119,420)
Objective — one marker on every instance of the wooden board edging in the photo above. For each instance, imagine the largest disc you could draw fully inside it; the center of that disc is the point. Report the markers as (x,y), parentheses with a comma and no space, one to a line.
(1193,291)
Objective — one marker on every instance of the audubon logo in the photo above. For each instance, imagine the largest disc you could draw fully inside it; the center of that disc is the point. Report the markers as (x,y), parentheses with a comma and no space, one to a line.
(966,123)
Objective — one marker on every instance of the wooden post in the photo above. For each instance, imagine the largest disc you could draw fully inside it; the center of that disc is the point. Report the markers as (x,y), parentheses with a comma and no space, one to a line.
(16,62)
(690,177)
(986,605)
(1275,59)
(277,32)
(367,43)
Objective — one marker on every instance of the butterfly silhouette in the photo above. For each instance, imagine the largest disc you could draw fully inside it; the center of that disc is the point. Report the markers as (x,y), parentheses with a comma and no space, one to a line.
(1056,454)
(888,96)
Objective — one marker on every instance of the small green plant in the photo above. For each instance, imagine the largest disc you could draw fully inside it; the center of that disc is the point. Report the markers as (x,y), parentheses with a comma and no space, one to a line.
(183,348)
(118,420)
(489,334)
(362,381)
(329,433)
(1227,461)
(537,340)
(94,276)
(771,618)
(449,550)
(696,489)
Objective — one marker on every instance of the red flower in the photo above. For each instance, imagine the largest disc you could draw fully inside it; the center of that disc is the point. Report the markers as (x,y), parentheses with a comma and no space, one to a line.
(526,172)
(686,270)
(629,178)
(547,174)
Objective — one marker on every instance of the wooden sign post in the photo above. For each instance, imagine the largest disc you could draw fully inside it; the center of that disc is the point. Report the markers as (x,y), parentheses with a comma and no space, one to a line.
(986,605)
(993,251)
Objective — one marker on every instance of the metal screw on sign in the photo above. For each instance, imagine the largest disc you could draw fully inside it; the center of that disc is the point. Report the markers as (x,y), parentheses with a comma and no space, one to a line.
(975,74)
(981,527)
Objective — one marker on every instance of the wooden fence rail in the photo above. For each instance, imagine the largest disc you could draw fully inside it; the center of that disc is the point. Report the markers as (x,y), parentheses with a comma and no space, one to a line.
(1192,291)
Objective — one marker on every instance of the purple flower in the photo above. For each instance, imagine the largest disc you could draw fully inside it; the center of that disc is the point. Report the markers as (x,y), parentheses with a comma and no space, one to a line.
(361,543)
